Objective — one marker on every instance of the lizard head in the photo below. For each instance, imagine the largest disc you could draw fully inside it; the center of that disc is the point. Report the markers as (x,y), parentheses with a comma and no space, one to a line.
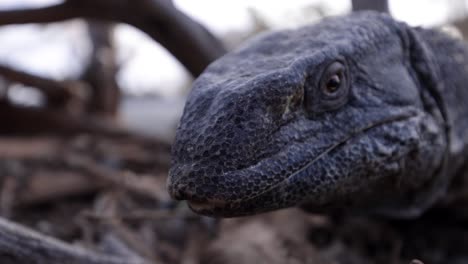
(327,117)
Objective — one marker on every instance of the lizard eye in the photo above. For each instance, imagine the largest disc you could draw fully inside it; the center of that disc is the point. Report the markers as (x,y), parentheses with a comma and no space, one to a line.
(333,79)
(333,84)
(330,92)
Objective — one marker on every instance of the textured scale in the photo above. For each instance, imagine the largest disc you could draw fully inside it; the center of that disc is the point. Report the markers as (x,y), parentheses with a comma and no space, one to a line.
(249,140)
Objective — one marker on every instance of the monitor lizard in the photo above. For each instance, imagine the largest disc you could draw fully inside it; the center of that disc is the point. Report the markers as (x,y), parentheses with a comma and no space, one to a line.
(358,113)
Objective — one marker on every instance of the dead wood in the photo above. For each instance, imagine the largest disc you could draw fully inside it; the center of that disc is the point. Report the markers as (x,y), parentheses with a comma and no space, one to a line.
(19,244)
(101,71)
(146,186)
(58,94)
(193,45)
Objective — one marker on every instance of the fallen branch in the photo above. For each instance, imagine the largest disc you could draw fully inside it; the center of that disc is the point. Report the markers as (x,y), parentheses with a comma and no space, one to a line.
(20,148)
(57,93)
(146,186)
(143,215)
(193,45)
(22,120)
(30,120)
(70,171)
(19,244)
(43,186)
(102,69)
(40,15)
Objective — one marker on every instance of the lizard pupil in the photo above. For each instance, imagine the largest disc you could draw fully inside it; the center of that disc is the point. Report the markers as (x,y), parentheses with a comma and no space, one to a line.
(333,83)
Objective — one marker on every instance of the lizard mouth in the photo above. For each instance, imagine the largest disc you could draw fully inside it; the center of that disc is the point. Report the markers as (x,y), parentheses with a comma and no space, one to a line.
(227,208)
(354,134)
(219,206)
(202,206)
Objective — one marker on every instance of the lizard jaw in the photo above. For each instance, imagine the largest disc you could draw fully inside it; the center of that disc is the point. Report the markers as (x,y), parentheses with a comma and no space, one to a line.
(230,208)
(388,120)
(199,207)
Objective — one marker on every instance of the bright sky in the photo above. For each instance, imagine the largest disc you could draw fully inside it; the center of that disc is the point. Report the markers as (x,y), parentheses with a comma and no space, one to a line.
(54,52)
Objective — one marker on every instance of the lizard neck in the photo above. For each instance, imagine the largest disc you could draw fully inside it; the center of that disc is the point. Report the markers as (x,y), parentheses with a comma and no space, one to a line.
(452,60)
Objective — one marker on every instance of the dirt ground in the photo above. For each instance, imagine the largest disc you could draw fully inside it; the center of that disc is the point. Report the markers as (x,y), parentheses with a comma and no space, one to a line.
(108,195)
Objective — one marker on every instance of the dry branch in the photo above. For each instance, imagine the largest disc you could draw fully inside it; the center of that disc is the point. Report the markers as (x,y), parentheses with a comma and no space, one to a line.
(30,120)
(28,148)
(190,43)
(75,174)
(193,45)
(19,244)
(102,69)
(58,93)
(45,185)
(146,186)
(142,215)
(23,120)
(40,15)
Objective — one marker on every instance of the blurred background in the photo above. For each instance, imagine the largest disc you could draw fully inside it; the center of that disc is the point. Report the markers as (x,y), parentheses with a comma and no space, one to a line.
(152,83)
(90,96)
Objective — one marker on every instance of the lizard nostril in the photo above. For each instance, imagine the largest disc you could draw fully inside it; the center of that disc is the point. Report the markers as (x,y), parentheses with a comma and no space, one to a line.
(176,187)
(179,191)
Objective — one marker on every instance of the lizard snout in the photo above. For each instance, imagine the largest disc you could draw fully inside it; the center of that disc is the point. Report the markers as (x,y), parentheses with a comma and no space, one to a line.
(197,203)
(180,187)
(176,187)
(179,191)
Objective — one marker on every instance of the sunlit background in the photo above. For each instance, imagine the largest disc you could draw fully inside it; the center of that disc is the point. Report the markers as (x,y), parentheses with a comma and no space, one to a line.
(59,50)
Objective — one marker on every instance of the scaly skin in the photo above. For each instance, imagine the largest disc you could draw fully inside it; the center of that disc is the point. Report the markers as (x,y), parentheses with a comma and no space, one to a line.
(268,126)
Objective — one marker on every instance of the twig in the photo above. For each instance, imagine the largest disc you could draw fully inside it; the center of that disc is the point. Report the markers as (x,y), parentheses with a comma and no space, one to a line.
(7,195)
(23,120)
(20,148)
(30,120)
(22,245)
(145,186)
(40,15)
(102,69)
(131,239)
(143,215)
(58,93)
(43,186)
(47,182)
(190,42)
